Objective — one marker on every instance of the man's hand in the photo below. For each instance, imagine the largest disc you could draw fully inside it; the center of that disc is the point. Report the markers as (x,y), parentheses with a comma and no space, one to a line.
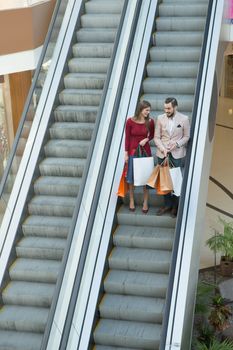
(172,145)
(165,152)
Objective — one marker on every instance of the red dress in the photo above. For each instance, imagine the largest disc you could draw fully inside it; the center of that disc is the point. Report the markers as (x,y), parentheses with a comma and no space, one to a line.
(136,132)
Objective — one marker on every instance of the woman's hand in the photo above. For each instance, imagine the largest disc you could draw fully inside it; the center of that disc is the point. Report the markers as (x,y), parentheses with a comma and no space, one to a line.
(126,157)
(143,142)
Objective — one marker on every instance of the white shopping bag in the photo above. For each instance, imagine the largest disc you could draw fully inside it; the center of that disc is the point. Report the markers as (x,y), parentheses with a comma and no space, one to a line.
(176,176)
(142,169)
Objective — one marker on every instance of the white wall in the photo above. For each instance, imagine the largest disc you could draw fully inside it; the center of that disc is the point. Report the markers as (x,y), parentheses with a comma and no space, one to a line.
(20,61)
(13,4)
(222,171)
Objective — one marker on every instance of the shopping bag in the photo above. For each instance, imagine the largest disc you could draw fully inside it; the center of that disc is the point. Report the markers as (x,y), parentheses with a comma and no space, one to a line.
(123,186)
(142,166)
(158,188)
(153,177)
(176,177)
(165,177)
(142,169)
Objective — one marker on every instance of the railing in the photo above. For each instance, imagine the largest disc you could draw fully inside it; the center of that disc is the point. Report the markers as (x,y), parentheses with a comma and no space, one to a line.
(29,111)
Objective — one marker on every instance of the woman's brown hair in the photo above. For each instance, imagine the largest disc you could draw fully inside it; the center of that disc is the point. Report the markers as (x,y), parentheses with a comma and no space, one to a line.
(142,105)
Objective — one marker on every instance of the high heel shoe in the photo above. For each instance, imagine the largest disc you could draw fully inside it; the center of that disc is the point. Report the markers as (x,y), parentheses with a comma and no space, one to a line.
(145,211)
(131,209)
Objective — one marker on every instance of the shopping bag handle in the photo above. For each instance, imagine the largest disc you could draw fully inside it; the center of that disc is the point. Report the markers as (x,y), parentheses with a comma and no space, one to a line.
(167,162)
(140,151)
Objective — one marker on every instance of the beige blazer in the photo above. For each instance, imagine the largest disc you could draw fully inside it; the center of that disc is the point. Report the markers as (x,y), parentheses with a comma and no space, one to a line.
(180,133)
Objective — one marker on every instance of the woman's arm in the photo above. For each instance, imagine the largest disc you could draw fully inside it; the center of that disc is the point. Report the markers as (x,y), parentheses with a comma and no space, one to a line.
(127,139)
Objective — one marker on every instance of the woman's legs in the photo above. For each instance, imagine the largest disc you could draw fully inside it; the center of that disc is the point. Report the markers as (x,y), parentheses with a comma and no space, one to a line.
(145,198)
(131,197)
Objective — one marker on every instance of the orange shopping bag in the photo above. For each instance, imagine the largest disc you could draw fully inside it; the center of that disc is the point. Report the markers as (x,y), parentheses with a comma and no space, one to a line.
(123,186)
(163,185)
(165,178)
(154,177)
(159,189)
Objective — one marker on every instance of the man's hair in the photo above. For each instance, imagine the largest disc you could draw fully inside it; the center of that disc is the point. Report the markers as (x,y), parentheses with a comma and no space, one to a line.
(171,100)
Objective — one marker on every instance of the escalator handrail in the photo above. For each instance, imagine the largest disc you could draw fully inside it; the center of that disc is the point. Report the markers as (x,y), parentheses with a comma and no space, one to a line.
(177,242)
(15,209)
(29,98)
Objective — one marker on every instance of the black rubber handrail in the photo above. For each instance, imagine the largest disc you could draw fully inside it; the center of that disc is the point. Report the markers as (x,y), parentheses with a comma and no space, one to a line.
(28,100)
(185,180)
(91,218)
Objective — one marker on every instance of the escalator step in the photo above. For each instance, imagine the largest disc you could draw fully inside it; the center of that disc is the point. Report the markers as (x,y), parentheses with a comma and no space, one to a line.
(11,340)
(57,185)
(28,294)
(41,248)
(128,334)
(132,308)
(52,205)
(89,50)
(181,24)
(144,237)
(179,10)
(46,226)
(176,39)
(71,113)
(67,148)
(56,166)
(175,54)
(125,217)
(23,318)
(137,259)
(136,283)
(35,270)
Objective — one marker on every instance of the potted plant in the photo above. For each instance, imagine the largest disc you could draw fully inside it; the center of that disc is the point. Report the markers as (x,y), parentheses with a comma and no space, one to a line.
(220,314)
(222,242)
(215,345)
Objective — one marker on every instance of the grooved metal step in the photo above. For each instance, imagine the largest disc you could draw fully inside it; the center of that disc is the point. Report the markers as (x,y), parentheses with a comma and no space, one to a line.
(90,50)
(131,308)
(126,334)
(136,283)
(28,294)
(57,185)
(19,340)
(23,318)
(46,226)
(138,259)
(175,54)
(41,248)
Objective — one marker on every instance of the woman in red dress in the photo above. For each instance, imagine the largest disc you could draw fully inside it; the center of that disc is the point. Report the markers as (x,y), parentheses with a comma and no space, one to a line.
(139,130)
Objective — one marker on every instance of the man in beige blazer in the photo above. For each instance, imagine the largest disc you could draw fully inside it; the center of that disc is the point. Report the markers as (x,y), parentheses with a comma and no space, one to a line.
(172,132)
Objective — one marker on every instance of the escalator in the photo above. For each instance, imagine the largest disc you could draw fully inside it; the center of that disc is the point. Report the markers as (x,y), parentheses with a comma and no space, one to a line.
(135,267)
(29,282)
(132,299)
(133,302)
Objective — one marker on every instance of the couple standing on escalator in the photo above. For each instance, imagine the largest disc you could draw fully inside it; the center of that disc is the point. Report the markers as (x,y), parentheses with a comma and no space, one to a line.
(170,132)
